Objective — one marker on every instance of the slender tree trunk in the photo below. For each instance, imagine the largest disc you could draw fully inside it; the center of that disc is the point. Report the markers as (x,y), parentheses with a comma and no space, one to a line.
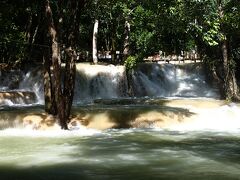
(130,87)
(94,42)
(69,81)
(59,98)
(225,68)
(56,68)
(113,53)
(126,40)
(50,105)
(28,28)
(230,83)
(35,34)
(70,68)
(59,94)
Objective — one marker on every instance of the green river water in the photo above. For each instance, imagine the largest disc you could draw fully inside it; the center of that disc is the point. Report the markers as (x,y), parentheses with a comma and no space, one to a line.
(119,154)
(201,139)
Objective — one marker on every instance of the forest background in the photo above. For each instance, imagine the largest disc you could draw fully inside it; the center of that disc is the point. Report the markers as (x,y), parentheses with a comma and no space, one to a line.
(52,32)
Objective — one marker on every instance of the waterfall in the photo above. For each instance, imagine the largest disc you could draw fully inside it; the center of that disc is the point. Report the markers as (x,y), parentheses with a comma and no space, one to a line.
(107,82)
(171,80)
(98,81)
(33,81)
(20,88)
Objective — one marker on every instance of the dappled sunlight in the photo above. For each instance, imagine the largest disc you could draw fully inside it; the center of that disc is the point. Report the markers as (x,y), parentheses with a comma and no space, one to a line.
(113,90)
(141,153)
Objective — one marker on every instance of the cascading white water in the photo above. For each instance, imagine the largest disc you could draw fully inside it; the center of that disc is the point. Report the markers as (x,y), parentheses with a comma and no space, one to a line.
(193,137)
(98,81)
(18,88)
(169,80)
(33,81)
(152,80)
(106,82)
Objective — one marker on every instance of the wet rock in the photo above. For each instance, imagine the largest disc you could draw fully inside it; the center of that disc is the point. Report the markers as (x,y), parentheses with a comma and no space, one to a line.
(17,97)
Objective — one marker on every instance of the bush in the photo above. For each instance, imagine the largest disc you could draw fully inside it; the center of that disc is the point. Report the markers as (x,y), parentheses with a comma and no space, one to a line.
(130,62)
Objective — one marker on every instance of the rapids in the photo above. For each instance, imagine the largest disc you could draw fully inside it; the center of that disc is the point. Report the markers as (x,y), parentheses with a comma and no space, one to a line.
(104,82)
(174,128)
(119,154)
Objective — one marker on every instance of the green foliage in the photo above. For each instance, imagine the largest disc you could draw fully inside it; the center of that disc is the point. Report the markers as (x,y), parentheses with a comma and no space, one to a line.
(167,25)
(143,32)
(12,37)
(130,62)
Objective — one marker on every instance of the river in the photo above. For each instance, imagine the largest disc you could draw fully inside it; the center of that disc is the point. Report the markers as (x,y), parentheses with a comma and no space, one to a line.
(177,131)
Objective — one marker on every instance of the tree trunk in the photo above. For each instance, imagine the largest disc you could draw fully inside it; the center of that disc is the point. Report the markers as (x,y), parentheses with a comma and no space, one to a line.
(130,87)
(70,67)
(50,105)
(126,40)
(59,98)
(59,94)
(230,83)
(113,53)
(94,42)
(56,69)
(69,80)
(28,28)
(113,41)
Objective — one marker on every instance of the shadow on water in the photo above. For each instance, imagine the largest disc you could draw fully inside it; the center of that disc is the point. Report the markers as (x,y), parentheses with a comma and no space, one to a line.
(63,172)
(125,118)
(102,158)
(144,155)
(222,149)
(125,113)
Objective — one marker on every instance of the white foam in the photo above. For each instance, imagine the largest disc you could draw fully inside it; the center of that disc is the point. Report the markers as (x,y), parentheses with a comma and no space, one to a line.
(80,131)
(225,118)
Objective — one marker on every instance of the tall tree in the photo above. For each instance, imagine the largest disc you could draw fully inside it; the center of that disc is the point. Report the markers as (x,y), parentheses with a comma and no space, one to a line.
(230,82)
(212,34)
(94,41)
(61,92)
